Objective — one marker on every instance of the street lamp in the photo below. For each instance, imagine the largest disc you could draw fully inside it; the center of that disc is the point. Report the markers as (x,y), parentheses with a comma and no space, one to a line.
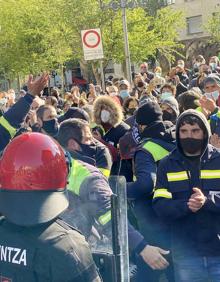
(115,5)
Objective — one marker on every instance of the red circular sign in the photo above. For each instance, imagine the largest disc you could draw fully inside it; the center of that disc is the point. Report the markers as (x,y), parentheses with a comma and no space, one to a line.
(96,39)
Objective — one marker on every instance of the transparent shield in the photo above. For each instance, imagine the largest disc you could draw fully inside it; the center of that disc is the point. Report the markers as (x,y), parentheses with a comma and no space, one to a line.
(112,256)
(108,242)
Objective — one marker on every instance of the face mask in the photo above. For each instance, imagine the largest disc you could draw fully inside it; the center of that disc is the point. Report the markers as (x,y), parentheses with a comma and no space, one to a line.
(51,127)
(88,150)
(131,111)
(124,94)
(191,145)
(166,95)
(112,94)
(179,73)
(213,66)
(158,74)
(196,65)
(140,84)
(168,116)
(181,66)
(105,116)
(212,95)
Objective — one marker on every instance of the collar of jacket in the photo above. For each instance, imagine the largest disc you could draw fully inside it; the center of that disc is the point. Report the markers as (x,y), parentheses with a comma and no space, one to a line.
(77,155)
(209,153)
(159,131)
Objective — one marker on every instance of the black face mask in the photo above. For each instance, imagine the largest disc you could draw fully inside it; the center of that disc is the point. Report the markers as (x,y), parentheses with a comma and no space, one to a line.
(51,127)
(179,73)
(88,150)
(192,145)
(131,111)
(168,116)
(140,84)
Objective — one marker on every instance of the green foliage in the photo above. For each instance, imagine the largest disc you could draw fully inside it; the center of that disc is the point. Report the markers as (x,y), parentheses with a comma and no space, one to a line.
(31,37)
(214,26)
(39,35)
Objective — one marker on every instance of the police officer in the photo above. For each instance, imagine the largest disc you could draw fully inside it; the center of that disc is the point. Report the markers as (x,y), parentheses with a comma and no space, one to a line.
(35,245)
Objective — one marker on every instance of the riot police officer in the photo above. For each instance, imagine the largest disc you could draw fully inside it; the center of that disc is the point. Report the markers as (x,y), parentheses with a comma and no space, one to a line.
(34,244)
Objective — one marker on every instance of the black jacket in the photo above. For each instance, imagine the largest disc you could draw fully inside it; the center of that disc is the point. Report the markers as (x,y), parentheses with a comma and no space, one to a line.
(15,117)
(193,233)
(47,252)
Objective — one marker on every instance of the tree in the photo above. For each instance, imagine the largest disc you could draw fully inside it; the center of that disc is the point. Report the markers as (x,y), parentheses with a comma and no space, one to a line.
(147,34)
(213,26)
(32,37)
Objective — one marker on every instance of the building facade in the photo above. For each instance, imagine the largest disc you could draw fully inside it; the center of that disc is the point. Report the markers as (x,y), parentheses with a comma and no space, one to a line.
(195,36)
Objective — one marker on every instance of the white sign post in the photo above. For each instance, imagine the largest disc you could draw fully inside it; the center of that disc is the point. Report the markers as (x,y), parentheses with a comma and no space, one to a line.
(92,47)
(92,44)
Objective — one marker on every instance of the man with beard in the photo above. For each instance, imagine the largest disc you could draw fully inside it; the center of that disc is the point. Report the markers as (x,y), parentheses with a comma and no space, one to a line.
(187,197)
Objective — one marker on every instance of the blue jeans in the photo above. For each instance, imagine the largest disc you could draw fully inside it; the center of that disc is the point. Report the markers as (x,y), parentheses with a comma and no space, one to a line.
(197,269)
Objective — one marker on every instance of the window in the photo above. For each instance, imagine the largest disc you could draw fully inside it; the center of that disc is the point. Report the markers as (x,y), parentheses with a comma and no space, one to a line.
(194,24)
(170,2)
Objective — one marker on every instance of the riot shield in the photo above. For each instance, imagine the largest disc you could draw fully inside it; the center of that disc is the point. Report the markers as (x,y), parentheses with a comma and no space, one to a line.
(112,258)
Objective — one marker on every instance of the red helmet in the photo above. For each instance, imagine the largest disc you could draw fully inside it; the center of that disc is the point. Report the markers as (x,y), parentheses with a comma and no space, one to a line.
(33,179)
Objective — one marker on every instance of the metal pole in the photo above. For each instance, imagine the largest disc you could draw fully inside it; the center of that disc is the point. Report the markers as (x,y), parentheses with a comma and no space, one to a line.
(102,75)
(126,42)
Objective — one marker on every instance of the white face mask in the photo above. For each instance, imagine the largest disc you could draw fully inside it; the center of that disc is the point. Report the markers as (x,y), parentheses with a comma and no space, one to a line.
(213,66)
(105,116)
(181,65)
(165,95)
(212,95)
(112,94)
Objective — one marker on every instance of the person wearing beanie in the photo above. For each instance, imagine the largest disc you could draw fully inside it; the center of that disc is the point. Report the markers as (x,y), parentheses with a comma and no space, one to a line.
(170,109)
(74,112)
(156,141)
(187,198)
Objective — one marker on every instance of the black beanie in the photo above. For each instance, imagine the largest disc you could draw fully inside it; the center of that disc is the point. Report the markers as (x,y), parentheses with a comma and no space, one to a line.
(149,113)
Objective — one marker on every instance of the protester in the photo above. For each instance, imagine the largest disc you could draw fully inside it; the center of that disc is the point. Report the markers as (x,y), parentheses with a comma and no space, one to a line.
(156,142)
(128,129)
(186,196)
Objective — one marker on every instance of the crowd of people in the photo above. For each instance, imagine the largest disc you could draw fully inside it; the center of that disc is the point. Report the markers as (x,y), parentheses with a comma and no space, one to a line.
(161,132)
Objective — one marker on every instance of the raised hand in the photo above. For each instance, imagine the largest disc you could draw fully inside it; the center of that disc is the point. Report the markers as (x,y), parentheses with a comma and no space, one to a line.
(35,86)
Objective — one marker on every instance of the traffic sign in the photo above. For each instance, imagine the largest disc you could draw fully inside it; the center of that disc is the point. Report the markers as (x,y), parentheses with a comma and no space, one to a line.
(92,44)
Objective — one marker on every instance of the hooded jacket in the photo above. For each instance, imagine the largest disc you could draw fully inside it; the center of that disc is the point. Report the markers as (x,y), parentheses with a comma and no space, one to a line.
(117,128)
(192,233)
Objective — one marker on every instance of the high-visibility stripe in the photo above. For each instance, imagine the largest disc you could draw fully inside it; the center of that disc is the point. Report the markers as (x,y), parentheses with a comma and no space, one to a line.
(77,175)
(11,130)
(209,174)
(105,218)
(157,151)
(105,171)
(177,176)
(162,193)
